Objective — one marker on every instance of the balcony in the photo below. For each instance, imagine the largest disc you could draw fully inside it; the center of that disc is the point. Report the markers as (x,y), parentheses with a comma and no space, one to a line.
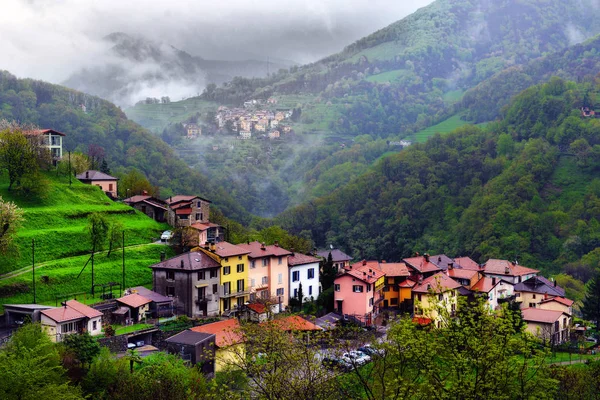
(206,298)
(232,293)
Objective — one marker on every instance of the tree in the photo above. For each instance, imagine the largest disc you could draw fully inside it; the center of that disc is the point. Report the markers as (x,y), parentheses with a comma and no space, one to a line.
(97,229)
(115,236)
(300,296)
(135,182)
(17,155)
(95,154)
(591,303)
(104,167)
(11,218)
(83,347)
(328,272)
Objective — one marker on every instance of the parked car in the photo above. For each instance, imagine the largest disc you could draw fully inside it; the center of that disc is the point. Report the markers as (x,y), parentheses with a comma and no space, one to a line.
(336,363)
(371,351)
(356,357)
(591,339)
(166,236)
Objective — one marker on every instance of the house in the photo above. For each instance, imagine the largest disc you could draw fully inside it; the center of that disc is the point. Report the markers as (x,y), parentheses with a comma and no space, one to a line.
(304,269)
(586,112)
(507,270)
(245,134)
(229,342)
(207,232)
(151,206)
(187,210)
(548,325)
(358,292)
(72,317)
(494,289)
(443,262)
(50,139)
(274,135)
(434,294)
(395,274)
(257,312)
(269,273)
(137,305)
(260,127)
(531,292)
(160,306)
(191,280)
(195,347)
(340,259)
(558,304)
(234,287)
(467,263)
(107,183)
(421,267)
(466,277)
(193,131)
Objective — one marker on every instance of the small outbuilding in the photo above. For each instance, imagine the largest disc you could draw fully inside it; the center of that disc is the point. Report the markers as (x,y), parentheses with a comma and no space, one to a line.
(107,183)
(195,347)
(139,306)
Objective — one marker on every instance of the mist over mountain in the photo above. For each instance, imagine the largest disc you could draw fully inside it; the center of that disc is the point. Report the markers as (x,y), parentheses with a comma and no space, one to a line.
(134,68)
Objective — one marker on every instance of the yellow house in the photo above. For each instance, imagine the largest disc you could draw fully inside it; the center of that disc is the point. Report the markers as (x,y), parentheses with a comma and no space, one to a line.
(139,306)
(229,340)
(234,284)
(395,274)
(436,293)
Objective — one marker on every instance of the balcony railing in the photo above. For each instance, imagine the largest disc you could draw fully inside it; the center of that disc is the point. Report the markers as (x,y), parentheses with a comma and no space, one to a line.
(233,293)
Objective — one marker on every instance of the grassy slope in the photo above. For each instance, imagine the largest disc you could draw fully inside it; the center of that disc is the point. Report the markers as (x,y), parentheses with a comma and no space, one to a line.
(443,127)
(62,276)
(58,223)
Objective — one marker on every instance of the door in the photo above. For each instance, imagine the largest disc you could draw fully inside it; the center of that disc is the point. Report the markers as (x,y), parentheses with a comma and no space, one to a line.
(385,304)
(339,306)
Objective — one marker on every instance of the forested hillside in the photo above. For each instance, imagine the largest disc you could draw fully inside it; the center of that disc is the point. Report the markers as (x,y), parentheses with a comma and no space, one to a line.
(525,188)
(88,120)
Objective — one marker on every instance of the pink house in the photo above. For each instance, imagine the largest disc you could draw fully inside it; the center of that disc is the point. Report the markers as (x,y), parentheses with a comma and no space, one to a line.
(358,292)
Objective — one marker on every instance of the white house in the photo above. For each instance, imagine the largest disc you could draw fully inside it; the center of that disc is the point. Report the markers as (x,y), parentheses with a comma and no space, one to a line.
(304,270)
(72,317)
(495,289)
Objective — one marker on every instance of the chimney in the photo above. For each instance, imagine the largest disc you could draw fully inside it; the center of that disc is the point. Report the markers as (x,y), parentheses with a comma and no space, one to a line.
(170,199)
(450,266)
(554,282)
(383,261)
(162,256)
(507,271)
(546,296)
(263,246)
(213,247)
(87,174)
(145,192)
(364,262)
(276,244)
(439,259)
(493,281)
(293,251)
(182,265)
(426,257)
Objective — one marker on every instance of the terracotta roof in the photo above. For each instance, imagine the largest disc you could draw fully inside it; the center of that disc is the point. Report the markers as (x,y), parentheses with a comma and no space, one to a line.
(203,227)
(437,283)
(300,259)
(226,249)
(368,272)
(408,284)
(421,264)
(134,300)
(394,269)
(422,321)
(62,314)
(467,263)
(37,132)
(293,323)
(226,332)
(505,267)
(85,310)
(136,199)
(257,250)
(93,175)
(460,273)
(336,255)
(485,285)
(539,315)
(257,307)
(192,261)
(183,211)
(561,300)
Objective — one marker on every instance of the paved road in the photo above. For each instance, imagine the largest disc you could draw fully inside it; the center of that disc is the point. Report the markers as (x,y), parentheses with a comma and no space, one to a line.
(25,270)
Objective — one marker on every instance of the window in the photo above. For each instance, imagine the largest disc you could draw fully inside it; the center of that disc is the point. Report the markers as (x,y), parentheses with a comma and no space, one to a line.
(491,296)
(201,275)
(310,290)
(265,262)
(280,278)
(240,285)
(371,301)
(336,287)
(386,288)
(295,292)
(453,307)
(518,294)
(265,280)
(170,275)
(240,268)
(94,325)
(184,216)
(394,301)
(368,287)
(226,304)
(198,217)
(264,294)
(311,273)
(213,273)
(215,288)
(531,305)
(252,264)
(226,288)
(226,259)
(419,297)
(252,296)
(239,257)
(357,288)
(199,204)
(201,293)
(170,291)
(252,283)
(280,292)
(279,260)
(226,270)
(68,327)
(295,276)
(440,297)
(533,297)
(110,187)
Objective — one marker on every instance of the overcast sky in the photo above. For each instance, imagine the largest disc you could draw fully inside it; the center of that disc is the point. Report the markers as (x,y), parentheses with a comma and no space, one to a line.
(49,39)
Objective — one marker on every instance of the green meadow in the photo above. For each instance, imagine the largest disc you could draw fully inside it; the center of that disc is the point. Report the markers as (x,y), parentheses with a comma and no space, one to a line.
(443,127)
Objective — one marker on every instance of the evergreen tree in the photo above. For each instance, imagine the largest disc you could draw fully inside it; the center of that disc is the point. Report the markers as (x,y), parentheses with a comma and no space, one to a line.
(104,167)
(328,273)
(591,303)
(300,295)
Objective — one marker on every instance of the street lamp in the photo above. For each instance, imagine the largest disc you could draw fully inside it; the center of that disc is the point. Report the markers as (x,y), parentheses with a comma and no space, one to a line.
(126,193)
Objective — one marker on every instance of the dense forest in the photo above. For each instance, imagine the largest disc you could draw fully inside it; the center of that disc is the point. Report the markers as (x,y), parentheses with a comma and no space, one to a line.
(126,146)
(525,188)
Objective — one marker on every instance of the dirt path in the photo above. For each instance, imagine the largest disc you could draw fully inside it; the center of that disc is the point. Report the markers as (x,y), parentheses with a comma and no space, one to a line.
(25,270)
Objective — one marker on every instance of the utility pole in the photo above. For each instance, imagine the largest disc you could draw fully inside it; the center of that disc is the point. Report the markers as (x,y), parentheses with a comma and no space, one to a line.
(93,251)
(123,245)
(70,168)
(33,267)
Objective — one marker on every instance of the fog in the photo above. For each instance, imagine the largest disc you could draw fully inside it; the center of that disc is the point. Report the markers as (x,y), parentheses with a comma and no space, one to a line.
(52,39)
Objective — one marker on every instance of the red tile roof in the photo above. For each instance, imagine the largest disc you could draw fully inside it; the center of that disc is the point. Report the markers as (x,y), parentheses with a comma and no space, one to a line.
(408,284)
(467,263)
(134,300)
(421,264)
(300,259)
(203,227)
(257,307)
(561,300)
(504,267)
(226,332)
(460,273)
(484,285)
(422,321)
(367,272)
(72,311)
(85,310)
(226,249)
(539,315)
(37,132)
(394,269)
(257,250)
(437,283)
(293,323)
